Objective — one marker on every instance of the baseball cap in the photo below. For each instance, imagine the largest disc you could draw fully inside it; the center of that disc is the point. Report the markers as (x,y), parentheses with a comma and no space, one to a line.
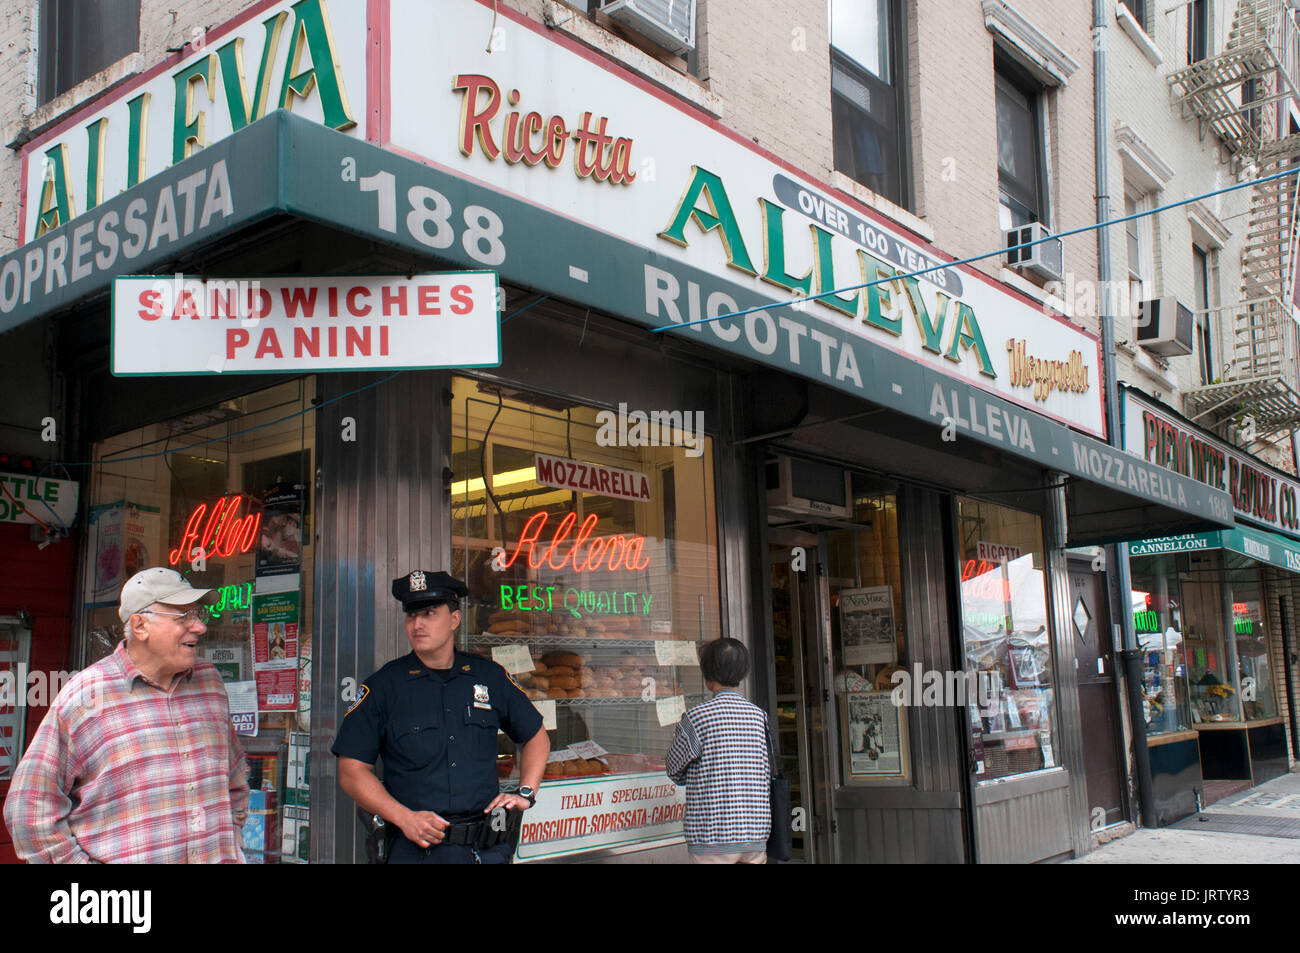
(419,589)
(157,585)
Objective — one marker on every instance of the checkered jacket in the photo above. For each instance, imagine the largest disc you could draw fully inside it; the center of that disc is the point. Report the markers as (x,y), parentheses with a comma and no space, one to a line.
(720,753)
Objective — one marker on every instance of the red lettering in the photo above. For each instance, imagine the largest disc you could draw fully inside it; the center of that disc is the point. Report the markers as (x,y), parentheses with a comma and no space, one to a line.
(357,310)
(358,338)
(306,340)
(263,303)
(473,120)
(618,550)
(428,300)
(225,306)
(393,298)
(235,339)
(225,531)
(150,300)
(185,307)
(299,300)
(557,140)
(269,343)
(463,301)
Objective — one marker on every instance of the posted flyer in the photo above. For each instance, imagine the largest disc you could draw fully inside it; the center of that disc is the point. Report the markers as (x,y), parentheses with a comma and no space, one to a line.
(275,651)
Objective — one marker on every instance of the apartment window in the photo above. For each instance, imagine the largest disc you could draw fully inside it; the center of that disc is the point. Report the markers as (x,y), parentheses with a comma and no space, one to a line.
(1021,152)
(81,37)
(1201,294)
(1137,234)
(1139,10)
(1198,30)
(868,110)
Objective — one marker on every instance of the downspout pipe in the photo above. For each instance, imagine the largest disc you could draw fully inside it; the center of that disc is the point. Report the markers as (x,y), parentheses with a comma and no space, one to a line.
(1131,654)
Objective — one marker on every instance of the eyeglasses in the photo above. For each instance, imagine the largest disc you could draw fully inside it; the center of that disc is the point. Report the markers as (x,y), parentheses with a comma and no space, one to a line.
(188,617)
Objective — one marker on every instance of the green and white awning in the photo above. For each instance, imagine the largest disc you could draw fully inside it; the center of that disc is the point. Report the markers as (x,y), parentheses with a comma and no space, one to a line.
(1268,548)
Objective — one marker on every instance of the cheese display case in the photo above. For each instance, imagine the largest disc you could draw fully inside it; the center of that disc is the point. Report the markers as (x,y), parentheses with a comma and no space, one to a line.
(588,542)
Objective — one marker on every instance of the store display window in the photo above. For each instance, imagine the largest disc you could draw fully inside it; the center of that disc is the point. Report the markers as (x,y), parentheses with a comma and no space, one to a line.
(1211,664)
(224,497)
(15,656)
(1008,644)
(1157,606)
(588,542)
(868,641)
(1250,634)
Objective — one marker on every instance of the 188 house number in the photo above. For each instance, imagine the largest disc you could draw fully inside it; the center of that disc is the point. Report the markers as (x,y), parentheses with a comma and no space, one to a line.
(428,217)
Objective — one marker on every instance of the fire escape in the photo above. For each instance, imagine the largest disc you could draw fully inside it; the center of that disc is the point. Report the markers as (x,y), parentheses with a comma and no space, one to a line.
(1243,95)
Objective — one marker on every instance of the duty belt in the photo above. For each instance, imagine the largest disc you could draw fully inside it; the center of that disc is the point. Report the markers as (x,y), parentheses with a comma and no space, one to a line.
(477,830)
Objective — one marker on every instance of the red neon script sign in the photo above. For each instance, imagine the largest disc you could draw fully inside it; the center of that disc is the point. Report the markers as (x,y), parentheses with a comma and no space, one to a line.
(224,534)
(616,552)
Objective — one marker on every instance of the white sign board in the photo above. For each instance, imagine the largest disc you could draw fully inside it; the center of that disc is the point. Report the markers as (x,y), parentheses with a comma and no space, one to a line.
(27,499)
(167,325)
(582,814)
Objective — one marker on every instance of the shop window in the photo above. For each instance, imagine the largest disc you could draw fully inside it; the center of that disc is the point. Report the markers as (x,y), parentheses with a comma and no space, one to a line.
(15,656)
(591,557)
(78,38)
(1021,147)
(1250,639)
(1198,30)
(224,496)
(1211,674)
(1157,607)
(868,88)
(868,643)
(1201,293)
(1008,643)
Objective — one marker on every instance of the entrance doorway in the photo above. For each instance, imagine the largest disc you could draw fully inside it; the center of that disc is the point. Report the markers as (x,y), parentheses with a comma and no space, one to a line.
(1090,625)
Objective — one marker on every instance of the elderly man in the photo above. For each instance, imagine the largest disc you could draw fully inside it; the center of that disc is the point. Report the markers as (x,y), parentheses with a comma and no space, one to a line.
(136,761)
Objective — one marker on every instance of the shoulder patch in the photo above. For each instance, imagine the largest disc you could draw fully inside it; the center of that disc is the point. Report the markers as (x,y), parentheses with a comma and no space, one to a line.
(362,693)
(511,679)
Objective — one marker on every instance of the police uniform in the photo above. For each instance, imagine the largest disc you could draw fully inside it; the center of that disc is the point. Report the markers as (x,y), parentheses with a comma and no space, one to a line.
(437,731)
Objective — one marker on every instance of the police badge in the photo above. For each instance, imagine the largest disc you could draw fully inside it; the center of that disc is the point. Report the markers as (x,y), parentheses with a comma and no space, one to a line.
(481,697)
(416,581)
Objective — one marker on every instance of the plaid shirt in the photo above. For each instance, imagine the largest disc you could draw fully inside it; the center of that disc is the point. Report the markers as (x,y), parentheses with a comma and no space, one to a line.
(122,770)
(720,753)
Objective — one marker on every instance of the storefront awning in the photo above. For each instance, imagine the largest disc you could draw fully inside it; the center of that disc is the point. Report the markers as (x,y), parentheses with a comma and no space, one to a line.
(284,165)
(1267,548)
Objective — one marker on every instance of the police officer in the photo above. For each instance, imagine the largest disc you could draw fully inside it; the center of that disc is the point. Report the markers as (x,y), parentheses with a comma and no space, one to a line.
(433,715)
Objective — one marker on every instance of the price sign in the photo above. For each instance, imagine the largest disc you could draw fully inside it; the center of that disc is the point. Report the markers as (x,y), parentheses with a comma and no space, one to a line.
(670,709)
(676,653)
(513,658)
(587,749)
(547,710)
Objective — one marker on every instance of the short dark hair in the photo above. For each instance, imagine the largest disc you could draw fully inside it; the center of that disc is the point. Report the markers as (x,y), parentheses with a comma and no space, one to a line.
(724,661)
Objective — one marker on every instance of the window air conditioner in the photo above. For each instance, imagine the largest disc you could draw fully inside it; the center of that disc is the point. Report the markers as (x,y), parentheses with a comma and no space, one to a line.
(1043,259)
(668,23)
(807,488)
(1164,327)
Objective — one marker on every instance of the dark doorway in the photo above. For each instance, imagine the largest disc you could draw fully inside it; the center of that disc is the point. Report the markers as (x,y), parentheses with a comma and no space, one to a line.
(1090,626)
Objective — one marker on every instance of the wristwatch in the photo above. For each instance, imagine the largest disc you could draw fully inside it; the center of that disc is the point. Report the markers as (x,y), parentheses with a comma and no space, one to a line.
(526,792)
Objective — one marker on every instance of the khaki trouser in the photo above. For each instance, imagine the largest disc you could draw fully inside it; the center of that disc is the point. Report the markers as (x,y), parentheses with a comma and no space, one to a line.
(745,857)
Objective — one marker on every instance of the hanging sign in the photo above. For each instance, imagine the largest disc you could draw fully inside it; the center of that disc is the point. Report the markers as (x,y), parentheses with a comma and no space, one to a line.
(592,478)
(27,499)
(173,325)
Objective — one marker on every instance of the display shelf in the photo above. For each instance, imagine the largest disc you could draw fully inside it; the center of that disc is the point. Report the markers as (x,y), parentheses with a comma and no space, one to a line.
(563,641)
(1017,733)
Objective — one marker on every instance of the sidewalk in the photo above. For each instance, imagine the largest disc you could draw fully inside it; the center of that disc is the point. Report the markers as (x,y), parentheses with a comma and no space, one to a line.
(1257,826)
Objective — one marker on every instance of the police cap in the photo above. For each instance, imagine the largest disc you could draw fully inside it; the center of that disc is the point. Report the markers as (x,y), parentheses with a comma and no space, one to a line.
(419,590)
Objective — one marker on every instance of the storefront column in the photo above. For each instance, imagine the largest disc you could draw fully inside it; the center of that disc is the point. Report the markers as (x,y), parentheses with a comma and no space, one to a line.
(1066,667)
(381,512)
